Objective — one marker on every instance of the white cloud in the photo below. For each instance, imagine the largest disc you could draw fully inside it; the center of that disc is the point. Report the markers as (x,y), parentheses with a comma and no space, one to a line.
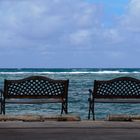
(131,20)
(81,37)
(44,21)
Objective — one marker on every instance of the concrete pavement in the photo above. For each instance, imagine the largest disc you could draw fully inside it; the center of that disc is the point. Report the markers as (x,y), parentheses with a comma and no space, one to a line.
(72,130)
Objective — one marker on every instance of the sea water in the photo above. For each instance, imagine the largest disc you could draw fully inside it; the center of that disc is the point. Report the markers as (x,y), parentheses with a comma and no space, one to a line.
(80,81)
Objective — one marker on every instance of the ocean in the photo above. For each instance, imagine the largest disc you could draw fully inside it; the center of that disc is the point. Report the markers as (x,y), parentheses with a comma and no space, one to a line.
(80,81)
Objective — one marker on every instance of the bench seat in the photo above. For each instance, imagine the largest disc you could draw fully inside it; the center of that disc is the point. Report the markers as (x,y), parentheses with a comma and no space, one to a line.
(33,101)
(117,100)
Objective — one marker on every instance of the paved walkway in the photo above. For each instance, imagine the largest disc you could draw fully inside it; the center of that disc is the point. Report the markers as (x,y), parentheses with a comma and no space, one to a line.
(79,130)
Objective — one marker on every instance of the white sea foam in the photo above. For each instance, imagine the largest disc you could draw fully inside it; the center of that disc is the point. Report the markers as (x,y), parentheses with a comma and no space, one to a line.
(73,72)
(108,72)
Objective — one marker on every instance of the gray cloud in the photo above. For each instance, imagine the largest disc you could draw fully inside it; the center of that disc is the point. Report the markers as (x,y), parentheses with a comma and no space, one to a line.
(44,30)
(44,22)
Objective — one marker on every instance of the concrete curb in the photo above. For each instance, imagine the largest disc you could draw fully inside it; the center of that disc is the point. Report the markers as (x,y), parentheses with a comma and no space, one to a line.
(69,125)
(39,118)
(113,117)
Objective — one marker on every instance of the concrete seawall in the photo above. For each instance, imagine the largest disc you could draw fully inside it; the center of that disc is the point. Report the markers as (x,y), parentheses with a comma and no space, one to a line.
(39,118)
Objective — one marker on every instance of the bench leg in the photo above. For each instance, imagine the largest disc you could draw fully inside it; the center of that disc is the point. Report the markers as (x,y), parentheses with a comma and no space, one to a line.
(91,109)
(64,108)
(3,108)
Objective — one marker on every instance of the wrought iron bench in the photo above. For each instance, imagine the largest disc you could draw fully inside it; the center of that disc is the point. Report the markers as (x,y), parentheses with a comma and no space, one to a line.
(118,90)
(35,89)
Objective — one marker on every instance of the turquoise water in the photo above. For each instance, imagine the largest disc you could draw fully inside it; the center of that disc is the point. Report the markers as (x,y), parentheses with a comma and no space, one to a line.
(80,81)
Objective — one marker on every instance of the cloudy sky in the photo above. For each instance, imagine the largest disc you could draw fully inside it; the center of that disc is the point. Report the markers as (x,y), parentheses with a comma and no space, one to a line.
(69,33)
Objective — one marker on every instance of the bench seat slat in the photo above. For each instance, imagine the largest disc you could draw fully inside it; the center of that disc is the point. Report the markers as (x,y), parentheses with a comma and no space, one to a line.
(117,100)
(32,101)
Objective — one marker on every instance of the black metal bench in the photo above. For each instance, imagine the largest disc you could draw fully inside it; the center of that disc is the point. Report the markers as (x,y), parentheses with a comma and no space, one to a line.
(35,89)
(118,90)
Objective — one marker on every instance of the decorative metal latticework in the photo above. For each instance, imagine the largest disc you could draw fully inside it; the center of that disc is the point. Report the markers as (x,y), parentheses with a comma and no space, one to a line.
(119,87)
(35,87)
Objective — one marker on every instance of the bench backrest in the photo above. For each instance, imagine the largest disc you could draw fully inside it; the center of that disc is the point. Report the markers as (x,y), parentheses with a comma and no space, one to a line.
(36,87)
(122,87)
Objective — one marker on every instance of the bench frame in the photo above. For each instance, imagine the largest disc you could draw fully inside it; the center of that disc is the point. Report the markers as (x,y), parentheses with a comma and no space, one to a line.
(117,90)
(35,90)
